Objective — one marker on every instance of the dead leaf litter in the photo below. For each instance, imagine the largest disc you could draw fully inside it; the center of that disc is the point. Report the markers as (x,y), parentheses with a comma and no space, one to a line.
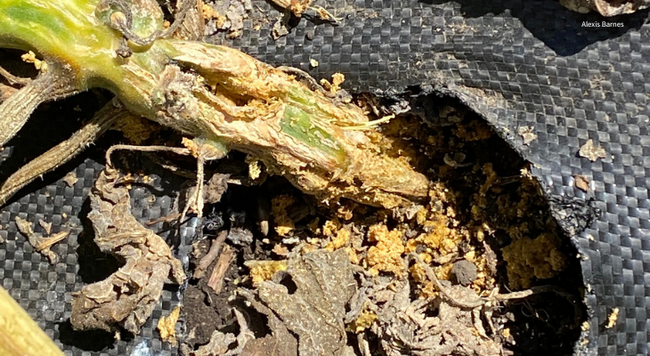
(41,244)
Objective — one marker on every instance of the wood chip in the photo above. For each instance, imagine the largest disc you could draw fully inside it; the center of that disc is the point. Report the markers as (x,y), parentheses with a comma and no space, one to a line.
(206,261)
(220,269)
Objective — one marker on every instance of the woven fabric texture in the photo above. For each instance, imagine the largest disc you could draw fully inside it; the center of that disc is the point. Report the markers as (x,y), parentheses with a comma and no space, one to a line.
(518,63)
(521,64)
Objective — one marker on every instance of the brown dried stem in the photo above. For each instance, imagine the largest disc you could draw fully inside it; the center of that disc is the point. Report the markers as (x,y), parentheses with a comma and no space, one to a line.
(206,261)
(178,150)
(64,151)
(225,259)
(12,79)
(16,110)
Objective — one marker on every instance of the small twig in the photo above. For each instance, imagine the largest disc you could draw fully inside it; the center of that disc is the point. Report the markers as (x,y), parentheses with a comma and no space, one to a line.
(495,296)
(41,244)
(212,254)
(196,200)
(528,292)
(225,259)
(63,152)
(203,152)
(12,79)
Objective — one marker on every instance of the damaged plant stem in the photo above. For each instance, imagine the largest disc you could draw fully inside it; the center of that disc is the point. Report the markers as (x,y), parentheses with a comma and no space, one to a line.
(19,334)
(219,97)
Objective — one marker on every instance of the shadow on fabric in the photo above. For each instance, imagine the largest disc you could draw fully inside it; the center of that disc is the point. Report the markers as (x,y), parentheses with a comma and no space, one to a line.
(560,29)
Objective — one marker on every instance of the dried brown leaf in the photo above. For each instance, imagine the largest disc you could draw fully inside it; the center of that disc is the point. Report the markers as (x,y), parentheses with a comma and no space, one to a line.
(127,297)
(527,134)
(405,325)
(70,179)
(315,310)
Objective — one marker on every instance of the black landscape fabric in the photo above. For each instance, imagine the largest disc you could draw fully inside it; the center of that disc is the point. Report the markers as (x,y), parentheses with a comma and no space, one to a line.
(523,65)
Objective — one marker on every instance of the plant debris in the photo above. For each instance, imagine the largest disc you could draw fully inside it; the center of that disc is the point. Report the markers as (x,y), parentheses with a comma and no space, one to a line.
(472,238)
(527,133)
(226,16)
(46,226)
(404,325)
(375,234)
(41,244)
(582,182)
(70,179)
(127,297)
(606,8)
(592,151)
(300,7)
(313,306)
(281,26)
(612,318)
